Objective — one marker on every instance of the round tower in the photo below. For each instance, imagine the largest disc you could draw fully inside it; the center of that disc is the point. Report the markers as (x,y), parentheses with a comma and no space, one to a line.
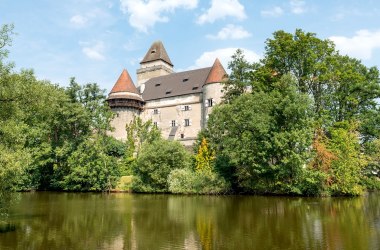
(212,89)
(126,102)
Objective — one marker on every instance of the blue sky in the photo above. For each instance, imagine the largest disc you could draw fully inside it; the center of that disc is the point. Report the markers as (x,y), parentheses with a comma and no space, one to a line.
(93,40)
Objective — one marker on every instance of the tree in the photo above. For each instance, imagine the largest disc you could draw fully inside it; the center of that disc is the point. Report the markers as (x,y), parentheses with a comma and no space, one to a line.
(265,137)
(239,78)
(154,164)
(205,158)
(346,168)
(91,168)
(342,88)
(139,132)
(6,33)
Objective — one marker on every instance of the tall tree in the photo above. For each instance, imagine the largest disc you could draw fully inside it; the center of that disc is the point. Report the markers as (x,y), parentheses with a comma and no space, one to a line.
(239,78)
(265,137)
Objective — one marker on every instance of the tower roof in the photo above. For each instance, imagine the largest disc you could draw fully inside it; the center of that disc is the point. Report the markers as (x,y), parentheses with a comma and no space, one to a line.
(156,52)
(124,84)
(217,73)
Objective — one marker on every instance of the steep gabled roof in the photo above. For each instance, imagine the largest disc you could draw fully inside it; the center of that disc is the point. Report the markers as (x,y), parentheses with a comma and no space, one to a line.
(156,52)
(176,84)
(217,73)
(124,84)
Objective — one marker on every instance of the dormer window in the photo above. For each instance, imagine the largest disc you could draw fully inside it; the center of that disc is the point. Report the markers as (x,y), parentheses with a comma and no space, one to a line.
(168,91)
(157,84)
(153,51)
(195,87)
(185,78)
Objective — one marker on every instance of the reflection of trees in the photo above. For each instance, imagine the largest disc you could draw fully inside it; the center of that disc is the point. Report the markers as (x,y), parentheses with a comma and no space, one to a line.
(65,221)
(7,199)
(125,221)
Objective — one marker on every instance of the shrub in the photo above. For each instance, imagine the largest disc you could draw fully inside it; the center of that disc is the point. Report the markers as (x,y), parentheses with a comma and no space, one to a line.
(186,181)
(154,164)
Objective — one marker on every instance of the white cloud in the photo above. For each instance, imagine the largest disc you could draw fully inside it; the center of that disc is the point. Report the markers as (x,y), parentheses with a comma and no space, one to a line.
(361,45)
(143,14)
(224,55)
(222,8)
(231,32)
(78,21)
(297,6)
(274,12)
(94,52)
(90,17)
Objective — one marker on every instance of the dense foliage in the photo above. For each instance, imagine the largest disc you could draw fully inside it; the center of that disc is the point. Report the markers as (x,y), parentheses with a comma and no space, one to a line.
(154,164)
(305,120)
(309,126)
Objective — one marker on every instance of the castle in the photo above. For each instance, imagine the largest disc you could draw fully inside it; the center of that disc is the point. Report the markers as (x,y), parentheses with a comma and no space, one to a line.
(177,103)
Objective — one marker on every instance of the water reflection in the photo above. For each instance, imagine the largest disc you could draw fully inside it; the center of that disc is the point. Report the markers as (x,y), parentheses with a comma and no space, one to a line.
(126,221)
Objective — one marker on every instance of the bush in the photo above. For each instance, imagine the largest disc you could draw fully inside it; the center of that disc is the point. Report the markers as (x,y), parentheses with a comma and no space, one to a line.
(186,181)
(154,164)
(90,168)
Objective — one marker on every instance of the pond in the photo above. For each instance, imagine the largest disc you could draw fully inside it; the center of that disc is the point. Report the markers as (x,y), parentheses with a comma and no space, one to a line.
(47,220)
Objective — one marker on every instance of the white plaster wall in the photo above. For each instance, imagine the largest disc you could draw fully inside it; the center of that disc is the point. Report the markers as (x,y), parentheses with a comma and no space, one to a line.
(123,116)
(214,91)
(172,108)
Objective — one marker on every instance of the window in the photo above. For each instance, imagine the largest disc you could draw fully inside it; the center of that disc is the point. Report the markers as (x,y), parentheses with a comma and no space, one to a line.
(209,102)
(182,136)
(168,91)
(156,112)
(173,123)
(187,122)
(187,108)
(155,124)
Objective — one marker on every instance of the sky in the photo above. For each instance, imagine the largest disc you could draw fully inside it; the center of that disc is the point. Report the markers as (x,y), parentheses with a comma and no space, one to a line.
(94,40)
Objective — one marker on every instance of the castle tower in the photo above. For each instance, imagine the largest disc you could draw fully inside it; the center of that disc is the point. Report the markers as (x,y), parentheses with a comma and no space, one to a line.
(213,88)
(126,101)
(155,63)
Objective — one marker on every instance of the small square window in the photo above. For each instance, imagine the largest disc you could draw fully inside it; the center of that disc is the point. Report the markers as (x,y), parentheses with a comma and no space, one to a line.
(182,136)
(173,123)
(155,124)
(187,108)
(155,111)
(187,122)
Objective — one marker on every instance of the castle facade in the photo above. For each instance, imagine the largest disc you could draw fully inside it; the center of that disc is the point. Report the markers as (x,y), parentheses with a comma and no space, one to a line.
(177,103)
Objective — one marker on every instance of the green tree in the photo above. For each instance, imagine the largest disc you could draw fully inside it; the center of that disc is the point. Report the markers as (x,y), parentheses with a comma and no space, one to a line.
(91,167)
(346,168)
(138,133)
(239,78)
(154,164)
(265,137)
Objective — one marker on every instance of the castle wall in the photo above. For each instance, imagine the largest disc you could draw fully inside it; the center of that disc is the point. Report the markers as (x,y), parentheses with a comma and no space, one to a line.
(123,116)
(152,69)
(184,110)
(212,91)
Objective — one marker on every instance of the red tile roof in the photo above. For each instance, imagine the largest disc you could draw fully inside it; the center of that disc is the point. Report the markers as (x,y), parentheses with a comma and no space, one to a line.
(124,84)
(217,73)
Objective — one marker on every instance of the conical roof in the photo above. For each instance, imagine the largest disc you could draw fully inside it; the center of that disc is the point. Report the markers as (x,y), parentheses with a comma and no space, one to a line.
(124,84)
(156,52)
(217,73)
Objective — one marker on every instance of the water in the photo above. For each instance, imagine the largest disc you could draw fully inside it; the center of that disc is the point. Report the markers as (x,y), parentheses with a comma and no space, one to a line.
(48,220)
